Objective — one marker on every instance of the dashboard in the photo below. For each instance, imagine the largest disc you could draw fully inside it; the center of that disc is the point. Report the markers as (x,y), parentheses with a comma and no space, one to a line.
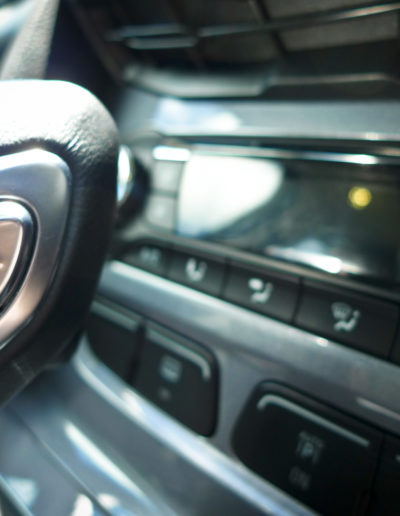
(242,353)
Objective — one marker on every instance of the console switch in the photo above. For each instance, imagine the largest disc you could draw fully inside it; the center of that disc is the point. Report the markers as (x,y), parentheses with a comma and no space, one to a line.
(270,294)
(180,378)
(197,272)
(360,321)
(318,456)
(151,257)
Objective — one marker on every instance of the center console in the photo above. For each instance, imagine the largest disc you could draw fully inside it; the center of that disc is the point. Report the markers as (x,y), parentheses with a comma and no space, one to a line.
(254,299)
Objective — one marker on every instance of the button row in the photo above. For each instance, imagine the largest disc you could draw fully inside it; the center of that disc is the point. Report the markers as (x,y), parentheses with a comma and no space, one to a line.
(360,321)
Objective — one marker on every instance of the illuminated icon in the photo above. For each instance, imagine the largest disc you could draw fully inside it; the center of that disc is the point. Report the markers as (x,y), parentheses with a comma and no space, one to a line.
(170,369)
(360,197)
(150,256)
(346,317)
(195,270)
(261,291)
(309,447)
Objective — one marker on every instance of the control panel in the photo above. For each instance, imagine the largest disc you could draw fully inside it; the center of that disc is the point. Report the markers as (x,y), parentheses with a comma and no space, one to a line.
(360,321)
(328,460)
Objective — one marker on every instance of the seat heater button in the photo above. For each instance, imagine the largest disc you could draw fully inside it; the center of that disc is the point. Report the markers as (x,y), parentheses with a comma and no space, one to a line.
(274,295)
(360,321)
(197,272)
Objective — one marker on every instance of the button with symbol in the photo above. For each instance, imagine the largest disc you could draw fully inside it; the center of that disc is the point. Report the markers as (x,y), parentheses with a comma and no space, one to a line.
(149,256)
(198,272)
(271,294)
(316,454)
(360,321)
(180,377)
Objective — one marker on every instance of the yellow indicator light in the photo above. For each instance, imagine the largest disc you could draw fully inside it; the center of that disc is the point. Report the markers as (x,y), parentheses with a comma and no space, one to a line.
(360,197)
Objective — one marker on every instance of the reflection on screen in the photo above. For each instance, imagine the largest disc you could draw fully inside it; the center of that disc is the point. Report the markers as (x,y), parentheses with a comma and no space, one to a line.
(334,217)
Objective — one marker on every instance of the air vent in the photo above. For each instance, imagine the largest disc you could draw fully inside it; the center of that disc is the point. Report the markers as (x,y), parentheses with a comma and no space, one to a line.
(276,39)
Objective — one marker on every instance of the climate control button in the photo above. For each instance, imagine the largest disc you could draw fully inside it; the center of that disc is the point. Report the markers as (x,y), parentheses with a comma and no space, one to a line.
(360,321)
(270,294)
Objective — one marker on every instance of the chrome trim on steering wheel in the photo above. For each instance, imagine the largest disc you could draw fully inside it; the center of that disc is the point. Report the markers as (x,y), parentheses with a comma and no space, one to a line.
(40,181)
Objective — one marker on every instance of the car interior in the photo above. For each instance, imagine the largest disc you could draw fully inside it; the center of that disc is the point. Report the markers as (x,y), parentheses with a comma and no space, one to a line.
(199,257)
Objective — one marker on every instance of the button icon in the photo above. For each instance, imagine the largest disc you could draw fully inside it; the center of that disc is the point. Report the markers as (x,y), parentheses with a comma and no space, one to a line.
(195,270)
(345,317)
(150,256)
(170,369)
(309,447)
(261,291)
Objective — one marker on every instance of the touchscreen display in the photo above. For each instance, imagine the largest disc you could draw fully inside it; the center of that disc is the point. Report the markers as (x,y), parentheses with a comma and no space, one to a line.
(338,217)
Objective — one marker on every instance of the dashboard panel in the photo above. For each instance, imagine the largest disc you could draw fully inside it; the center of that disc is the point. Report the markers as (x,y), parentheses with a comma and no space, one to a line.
(302,333)
(243,350)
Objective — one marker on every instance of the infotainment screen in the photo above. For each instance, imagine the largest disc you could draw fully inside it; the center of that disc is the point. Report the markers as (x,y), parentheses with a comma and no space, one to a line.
(340,217)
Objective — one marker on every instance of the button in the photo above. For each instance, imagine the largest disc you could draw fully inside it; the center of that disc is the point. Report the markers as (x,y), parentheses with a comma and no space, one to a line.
(365,323)
(16,235)
(386,497)
(197,272)
(166,176)
(266,293)
(320,457)
(114,335)
(180,377)
(148,256)
(160,212)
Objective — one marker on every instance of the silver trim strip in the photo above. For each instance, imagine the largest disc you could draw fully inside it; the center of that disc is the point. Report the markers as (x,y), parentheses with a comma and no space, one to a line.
(183,154)
(41,181)
(271,399)
(379,409)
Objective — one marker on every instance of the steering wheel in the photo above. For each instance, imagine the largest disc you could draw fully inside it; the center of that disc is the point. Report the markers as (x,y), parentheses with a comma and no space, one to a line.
(58,166)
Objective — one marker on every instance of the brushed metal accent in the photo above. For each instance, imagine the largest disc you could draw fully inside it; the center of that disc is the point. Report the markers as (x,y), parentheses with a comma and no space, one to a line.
(16,233)
(41,181)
